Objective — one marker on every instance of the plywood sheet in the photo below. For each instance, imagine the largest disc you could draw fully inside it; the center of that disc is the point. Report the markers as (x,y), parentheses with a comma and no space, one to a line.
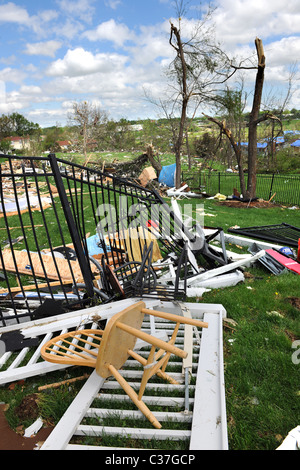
(51,269)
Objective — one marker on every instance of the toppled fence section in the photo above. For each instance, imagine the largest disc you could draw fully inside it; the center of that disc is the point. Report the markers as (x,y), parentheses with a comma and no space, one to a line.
(73,237)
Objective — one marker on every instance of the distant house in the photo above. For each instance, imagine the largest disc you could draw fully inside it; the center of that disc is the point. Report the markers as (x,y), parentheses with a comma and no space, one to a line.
(136,127)
(64,144)
(19,143)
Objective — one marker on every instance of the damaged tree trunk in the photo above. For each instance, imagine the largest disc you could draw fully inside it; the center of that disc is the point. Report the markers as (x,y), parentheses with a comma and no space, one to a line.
(254,120)
(154,162)
(249,192)
(184,100)
(236,148)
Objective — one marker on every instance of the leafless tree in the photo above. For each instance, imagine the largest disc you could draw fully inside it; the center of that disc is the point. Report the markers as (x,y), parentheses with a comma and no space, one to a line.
(87,119)
(198,68)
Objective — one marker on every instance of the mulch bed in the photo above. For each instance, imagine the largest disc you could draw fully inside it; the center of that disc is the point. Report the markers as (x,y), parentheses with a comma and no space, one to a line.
(260,204)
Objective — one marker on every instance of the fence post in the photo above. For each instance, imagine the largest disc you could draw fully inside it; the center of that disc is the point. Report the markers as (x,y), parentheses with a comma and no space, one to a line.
(82,260)
(271,186)
(219,182)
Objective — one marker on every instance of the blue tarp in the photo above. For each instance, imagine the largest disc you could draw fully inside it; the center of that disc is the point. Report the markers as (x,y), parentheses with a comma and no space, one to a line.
(296,143)
(291,132)
(93,247)
(259,145)
(167,175)
(262,146)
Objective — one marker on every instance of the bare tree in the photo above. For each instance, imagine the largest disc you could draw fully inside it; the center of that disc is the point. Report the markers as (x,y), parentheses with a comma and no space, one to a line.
(88,119)
(198,68)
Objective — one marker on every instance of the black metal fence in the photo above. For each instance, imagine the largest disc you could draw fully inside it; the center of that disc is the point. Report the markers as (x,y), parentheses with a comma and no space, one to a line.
(283,189)
(71,237)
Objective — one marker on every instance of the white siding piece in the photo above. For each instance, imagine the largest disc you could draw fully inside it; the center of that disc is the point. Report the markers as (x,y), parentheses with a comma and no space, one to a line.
(187,363)
(37,327)
(209,428)
(224,269)
(243,240)
(160,415)
(292,440)
(148,399)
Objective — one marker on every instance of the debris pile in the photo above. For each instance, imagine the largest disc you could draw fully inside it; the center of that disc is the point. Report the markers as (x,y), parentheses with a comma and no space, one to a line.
(102,239)
(96,238)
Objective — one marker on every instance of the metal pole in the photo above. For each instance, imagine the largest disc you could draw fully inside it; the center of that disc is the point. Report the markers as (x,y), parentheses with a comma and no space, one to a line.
(270,194)
(83,263)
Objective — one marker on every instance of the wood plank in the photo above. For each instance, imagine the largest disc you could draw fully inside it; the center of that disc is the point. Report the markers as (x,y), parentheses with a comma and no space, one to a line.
(24,266)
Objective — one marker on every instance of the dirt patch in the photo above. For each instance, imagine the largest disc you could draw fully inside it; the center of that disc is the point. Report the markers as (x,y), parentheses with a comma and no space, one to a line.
(295,301)
(10,440)
(28,408)
(259,203)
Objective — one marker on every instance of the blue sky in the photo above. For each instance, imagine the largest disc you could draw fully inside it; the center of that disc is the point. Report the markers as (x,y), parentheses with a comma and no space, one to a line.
(109,51)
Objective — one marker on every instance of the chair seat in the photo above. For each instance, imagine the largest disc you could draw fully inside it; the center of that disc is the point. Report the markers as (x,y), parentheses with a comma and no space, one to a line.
(74,348)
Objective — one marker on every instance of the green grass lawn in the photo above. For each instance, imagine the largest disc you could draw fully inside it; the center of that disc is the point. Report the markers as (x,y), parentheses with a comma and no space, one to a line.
(261,378)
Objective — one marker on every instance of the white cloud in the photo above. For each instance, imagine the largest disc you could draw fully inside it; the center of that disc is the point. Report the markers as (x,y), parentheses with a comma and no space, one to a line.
(240,21)
(8,60)
(82,9)
(31,89)
(79,62)
(111,31)
(12,13)
(47,48)
(113,4)
(283,52)
(12,75)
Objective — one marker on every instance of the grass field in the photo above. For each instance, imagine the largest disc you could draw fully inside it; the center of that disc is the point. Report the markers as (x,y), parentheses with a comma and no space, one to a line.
(262,380)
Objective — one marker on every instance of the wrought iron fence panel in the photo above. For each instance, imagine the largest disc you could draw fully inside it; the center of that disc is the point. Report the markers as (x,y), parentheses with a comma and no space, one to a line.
(50,209)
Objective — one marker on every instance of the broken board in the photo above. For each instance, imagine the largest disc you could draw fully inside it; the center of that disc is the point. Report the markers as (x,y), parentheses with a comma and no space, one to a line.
(42,266)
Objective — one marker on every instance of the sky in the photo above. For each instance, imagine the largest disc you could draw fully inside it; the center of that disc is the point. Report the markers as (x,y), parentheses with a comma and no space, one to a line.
(108,52)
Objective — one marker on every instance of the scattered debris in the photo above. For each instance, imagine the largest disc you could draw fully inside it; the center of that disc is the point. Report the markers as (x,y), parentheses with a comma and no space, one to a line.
(220,197)
(147,175)
(295,301)
(268,261)
(167,175)
(11,440)
(34,428)
(183,191)
(142,246)
(63,382)
(28,408)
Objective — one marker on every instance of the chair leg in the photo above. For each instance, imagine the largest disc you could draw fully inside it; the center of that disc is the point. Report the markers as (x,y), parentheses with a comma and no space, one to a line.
(132,394)
(151,368)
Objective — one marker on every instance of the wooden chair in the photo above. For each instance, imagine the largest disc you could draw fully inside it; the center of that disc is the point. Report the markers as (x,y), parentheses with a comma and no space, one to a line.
(107,350)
